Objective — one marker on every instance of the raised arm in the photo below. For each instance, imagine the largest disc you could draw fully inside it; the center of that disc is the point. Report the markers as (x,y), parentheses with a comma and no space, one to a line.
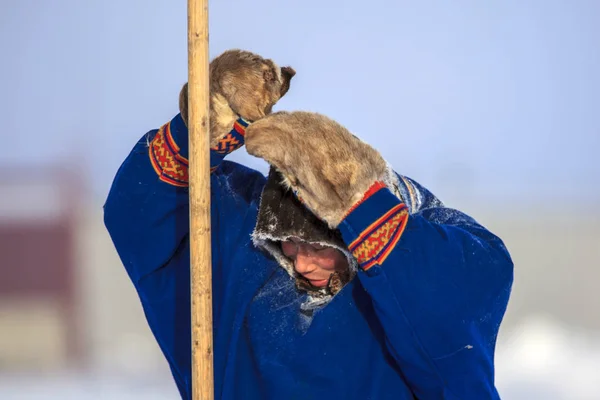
(147,209)
(147,216)
(439,281)
(440,284)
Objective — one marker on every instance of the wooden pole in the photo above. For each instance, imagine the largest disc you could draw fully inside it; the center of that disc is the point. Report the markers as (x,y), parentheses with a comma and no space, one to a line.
(199,179)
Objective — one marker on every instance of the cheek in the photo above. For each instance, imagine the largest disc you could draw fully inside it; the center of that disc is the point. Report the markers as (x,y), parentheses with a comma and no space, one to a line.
(341,263)
(333,260)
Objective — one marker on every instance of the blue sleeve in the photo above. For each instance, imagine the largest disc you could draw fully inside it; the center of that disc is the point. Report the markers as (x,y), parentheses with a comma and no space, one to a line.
(440,284)
(146,211)
(147,216)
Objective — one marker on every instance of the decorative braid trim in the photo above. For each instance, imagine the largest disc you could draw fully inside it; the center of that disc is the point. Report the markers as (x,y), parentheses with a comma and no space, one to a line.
(233,140)
(170,166)
(377,241)
(228,143)
(374,188)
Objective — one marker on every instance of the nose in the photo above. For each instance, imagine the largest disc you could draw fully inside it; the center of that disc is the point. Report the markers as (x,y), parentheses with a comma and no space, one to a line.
(303,262)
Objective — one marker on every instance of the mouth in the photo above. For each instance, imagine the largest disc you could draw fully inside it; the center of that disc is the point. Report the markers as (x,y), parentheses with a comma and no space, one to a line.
(318,282)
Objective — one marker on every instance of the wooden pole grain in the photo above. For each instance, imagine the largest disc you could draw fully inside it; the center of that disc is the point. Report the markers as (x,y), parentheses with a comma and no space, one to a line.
(199,185)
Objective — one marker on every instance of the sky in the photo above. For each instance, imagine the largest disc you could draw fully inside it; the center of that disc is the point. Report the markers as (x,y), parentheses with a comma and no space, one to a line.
(493,101)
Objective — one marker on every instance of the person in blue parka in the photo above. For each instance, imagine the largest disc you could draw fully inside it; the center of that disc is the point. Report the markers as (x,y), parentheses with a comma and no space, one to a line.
(334,277)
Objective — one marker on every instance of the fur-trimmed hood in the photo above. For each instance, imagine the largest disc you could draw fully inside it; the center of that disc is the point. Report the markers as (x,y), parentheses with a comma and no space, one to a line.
(282,216)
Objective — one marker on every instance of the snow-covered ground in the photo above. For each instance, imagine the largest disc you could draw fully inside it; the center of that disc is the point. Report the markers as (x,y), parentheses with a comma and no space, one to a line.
(544,360)
(85,387)
(539,360)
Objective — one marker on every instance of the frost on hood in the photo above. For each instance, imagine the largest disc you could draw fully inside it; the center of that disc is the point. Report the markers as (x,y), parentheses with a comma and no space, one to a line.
(281,217)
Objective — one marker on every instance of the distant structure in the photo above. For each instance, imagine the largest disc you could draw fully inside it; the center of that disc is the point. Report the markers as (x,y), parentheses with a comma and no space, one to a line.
(38,293)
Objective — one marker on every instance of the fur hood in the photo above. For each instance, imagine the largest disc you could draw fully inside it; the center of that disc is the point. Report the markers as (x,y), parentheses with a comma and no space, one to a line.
(281,217)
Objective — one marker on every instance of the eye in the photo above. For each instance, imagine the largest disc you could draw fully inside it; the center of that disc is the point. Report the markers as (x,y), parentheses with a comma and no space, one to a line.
(289,249)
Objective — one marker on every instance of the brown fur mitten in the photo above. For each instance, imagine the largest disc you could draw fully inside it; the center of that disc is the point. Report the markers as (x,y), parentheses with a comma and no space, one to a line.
(329,168)
(242,84)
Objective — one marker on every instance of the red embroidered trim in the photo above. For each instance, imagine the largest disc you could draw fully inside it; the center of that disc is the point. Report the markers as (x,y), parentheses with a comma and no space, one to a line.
(374,188)
(169,165)
(377,241)
(232,141)
(241,129)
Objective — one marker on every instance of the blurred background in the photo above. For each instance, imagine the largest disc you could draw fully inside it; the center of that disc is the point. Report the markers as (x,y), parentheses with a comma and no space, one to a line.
(491,105)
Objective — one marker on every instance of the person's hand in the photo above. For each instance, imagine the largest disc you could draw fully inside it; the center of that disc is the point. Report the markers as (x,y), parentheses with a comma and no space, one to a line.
(329,169)
(244,87)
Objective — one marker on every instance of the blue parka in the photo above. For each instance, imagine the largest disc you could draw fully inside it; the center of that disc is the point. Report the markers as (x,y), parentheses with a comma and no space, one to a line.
(421,322)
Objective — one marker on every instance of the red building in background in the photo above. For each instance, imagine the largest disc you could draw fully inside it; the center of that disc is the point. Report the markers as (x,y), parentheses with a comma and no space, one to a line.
(38,280)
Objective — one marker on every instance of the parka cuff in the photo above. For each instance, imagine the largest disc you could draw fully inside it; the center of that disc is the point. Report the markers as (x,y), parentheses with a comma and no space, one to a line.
(168,153)
(374,227)
(169,150)
(229,143)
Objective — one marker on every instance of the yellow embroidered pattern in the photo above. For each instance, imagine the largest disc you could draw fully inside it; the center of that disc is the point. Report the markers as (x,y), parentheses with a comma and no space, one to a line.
(376,242)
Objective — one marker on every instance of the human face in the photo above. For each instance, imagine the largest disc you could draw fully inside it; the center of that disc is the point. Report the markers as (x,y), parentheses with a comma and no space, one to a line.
(313,261)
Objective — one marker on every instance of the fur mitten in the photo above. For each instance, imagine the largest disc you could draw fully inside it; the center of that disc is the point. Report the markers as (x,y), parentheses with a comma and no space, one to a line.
(244,87)
(329,169)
